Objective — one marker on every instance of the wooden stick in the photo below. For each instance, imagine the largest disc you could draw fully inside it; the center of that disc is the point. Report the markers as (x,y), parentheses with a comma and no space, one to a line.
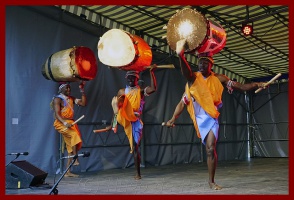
(269,82)
(78,120)
(75,122)
(102,130)
(170,66)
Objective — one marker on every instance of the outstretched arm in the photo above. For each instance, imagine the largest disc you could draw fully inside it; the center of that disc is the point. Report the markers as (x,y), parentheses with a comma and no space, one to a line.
(153,86)
(239,86)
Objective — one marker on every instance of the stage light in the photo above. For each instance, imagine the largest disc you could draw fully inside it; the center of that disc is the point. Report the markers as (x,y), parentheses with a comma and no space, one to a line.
(247,29)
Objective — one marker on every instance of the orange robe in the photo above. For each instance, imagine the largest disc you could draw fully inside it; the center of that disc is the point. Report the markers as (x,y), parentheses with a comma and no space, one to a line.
(72,135)
(126,116)
(208,93)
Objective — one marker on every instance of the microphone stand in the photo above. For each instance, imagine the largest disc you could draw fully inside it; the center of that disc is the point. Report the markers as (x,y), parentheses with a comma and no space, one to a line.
(53,189)
(12,160)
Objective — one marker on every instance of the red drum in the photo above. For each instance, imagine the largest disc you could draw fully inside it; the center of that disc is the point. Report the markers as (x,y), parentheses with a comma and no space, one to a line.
(74,64)
(122,50)
(215,39)
(202,35)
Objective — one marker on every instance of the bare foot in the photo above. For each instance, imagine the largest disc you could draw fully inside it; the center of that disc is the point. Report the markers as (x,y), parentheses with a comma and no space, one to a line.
(214,186)
(69,174)
(76,163)
(137,177)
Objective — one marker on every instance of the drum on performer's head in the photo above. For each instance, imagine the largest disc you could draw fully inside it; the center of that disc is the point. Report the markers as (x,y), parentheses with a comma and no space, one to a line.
(70,65)
(215,39)
(202,35)
(123,50)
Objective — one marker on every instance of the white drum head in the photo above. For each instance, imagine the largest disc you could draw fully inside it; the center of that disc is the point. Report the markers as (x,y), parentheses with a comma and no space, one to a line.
(116,48)
(186,24)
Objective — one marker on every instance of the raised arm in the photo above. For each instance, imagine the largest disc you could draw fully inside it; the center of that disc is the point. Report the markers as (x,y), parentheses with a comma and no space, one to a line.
(153,85)
(83,100)
(185,67)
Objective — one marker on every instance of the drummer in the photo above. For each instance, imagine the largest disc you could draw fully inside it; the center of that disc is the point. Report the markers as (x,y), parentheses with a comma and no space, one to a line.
(128,107)
(63,104)
(202,97)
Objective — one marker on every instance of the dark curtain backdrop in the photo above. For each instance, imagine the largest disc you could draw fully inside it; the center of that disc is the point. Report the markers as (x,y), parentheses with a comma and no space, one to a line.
(32,35)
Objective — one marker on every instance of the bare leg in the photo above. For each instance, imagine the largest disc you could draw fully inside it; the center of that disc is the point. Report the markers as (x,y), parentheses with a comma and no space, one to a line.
(211,160)
(68,173)
(74,150)
(137,160)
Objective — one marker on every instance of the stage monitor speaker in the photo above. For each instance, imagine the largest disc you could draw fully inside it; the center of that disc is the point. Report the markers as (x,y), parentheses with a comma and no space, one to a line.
(22,174)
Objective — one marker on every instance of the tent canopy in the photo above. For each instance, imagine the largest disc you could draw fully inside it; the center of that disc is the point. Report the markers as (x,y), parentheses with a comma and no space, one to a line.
(246,58)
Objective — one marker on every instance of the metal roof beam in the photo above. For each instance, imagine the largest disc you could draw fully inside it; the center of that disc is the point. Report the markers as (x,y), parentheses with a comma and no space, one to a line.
(145,12)
(258,16)
(273,12)
(202,10)
(238,32)
(256,66)
(163,21)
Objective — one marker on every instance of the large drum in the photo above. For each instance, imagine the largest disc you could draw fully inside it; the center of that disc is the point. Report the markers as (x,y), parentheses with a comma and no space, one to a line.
(74,64)
(122,50)
(202,35)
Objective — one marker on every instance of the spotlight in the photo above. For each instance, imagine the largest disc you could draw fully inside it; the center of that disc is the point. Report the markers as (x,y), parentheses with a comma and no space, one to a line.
(247,30)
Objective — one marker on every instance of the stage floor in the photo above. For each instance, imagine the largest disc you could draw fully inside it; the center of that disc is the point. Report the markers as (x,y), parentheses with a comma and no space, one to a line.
(255,176)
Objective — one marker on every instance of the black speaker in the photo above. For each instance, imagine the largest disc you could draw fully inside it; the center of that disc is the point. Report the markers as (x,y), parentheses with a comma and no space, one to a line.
(22,174)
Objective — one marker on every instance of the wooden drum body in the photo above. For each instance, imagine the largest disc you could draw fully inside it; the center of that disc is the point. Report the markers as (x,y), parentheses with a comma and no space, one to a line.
(202,35)
(122,50)
(215,39)
(74,64)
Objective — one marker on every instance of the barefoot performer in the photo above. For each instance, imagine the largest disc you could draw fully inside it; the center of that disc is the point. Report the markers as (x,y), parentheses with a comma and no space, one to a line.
(128,107)
(64,123)
(202,96)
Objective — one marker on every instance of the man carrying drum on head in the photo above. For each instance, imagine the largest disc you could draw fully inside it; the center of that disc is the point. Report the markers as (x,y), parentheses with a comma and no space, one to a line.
(202,96)
(63,105)
(128,107)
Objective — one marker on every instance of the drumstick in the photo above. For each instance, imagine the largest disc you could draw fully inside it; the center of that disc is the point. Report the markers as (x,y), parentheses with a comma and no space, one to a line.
(170,66)
(269,82)
(102,130)
(75,121)
(78,120)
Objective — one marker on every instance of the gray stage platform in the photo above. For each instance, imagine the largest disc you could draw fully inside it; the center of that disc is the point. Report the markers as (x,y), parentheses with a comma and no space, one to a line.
(255,176)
